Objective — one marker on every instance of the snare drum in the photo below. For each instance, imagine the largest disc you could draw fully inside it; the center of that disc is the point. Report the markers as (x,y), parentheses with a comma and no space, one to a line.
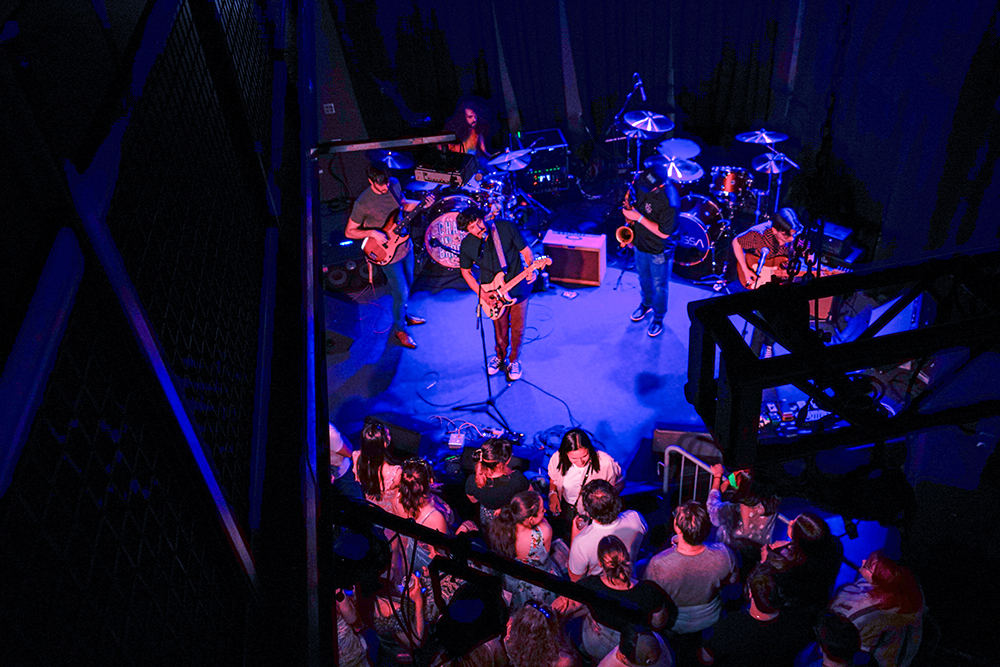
(730,183)
(443,238)
(699,224)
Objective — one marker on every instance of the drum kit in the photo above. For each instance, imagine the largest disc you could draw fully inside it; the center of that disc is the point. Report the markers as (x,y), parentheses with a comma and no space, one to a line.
(493,188)
(704,223)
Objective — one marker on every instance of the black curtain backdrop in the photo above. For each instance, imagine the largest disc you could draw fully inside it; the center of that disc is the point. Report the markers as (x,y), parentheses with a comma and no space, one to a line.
(889,106)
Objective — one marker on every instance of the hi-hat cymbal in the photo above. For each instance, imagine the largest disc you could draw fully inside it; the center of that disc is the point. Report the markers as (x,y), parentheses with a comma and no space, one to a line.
(685,149)
(649,121)
(682,171)
(772,163)
(390,159)
(512,160)
(761,136)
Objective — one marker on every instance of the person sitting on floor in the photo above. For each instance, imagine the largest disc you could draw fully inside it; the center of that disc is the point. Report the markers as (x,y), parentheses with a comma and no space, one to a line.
(494,482)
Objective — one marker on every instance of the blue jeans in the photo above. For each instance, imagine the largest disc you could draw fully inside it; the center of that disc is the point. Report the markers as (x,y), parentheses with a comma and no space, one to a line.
(400,278)
(654,279)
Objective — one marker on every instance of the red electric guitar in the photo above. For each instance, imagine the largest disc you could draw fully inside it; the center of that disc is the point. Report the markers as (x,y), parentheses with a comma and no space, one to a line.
(499,289)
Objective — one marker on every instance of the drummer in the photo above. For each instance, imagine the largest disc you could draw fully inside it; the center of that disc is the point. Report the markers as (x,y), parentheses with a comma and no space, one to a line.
(471,129)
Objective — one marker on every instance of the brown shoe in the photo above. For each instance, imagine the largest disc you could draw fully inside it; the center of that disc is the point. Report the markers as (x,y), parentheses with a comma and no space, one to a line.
(413,320)
(405,340)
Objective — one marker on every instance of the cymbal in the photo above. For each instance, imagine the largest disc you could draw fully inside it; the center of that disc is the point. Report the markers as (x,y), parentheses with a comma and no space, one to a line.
(761,136)
(633,133)
(772,163)
(512,160)
(682,171)
(421,186)
(649,121)
(684,149)
(391,160)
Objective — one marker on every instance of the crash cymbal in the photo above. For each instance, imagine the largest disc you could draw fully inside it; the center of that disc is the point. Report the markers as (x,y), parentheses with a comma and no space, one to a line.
(391,159)
(649,121)
(682,171)
(772,163)
(512,160)
(761,136)
(684,149)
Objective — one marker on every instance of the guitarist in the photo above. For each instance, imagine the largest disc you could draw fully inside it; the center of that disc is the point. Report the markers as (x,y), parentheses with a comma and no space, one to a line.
(490,245)
(772,240)
(775,237)
(371,209)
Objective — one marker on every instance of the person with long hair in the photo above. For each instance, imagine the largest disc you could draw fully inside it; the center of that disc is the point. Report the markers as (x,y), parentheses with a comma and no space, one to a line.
(521,532)
(806,565)
(616,581)
(494,482)
(375,466)
(416,500)
(397,614)
(470,126)
(570,468)
(535,638)
(886,605)
(744,514)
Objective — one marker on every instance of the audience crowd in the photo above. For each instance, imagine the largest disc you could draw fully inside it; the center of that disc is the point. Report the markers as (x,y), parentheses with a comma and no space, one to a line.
(723,591)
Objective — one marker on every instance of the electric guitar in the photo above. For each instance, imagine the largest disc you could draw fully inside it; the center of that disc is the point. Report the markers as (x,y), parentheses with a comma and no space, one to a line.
(397,233)
(499,289)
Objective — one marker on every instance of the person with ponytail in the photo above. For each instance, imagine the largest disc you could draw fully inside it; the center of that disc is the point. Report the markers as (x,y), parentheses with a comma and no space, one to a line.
(416,500)
(616,582)
(521,532)
(376,468)
(494,482)
(886,605)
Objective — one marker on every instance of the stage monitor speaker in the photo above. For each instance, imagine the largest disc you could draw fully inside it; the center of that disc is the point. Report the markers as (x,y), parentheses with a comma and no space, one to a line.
(579,259)
(405,441)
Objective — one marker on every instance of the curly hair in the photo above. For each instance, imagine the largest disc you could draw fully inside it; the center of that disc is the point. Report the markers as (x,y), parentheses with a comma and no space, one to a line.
(460,126)
(375,443)
(893,585)
(503,530)
(415,484)
(492,456)
(614,557)
(535,637)
(601,501)
(574,439)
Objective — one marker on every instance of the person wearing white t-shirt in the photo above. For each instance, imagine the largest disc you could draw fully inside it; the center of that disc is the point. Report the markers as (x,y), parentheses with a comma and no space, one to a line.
(570,469)
(603,506)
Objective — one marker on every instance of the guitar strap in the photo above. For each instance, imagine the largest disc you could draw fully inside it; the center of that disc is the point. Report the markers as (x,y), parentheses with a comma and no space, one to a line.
(499,248)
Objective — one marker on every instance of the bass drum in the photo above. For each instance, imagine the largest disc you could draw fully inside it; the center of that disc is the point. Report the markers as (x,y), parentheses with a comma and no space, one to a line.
(443,238)
(698,226)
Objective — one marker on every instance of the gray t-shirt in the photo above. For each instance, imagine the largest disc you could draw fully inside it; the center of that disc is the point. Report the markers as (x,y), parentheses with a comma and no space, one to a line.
(693,582)
(371,211)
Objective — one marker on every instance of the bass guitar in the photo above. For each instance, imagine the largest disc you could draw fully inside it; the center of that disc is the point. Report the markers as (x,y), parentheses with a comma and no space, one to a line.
(397,234)
(499,289)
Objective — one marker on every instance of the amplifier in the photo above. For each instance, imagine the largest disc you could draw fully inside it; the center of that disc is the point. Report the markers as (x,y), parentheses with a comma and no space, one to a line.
(549,167)
(453,169)
(580,259)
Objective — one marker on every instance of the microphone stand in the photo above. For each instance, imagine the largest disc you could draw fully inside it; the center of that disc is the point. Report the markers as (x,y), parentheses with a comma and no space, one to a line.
(489,406)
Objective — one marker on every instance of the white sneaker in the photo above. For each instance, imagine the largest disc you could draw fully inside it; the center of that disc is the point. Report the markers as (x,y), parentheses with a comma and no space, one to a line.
(494,365)
(514,371)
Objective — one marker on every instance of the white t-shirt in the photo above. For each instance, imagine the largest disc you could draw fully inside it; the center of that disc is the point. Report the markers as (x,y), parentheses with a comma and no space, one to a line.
(630,527)
(572,482)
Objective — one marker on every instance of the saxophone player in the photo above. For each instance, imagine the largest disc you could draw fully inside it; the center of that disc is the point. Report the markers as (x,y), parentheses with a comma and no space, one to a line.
(653,218)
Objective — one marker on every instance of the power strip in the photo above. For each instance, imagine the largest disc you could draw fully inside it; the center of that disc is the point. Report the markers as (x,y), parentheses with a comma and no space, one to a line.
(456,440)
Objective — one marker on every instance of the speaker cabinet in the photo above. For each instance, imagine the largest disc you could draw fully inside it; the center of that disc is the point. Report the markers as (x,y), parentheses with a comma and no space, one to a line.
(579,259)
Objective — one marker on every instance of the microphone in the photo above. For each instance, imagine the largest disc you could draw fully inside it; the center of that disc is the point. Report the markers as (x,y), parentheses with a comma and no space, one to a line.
(638,84)
(763,255)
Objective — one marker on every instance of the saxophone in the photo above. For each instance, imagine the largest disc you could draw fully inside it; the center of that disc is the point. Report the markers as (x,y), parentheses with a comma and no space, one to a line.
(625,234)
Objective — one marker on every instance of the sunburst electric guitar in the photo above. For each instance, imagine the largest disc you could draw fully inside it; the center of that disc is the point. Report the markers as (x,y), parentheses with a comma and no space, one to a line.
(397,233)
(500,289)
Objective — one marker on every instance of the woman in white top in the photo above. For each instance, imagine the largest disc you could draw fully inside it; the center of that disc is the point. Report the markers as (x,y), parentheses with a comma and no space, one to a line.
(575,464)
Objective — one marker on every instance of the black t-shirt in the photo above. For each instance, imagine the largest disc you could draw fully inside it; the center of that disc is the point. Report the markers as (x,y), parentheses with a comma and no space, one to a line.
(645,595)
(658,201)
(498,490)
(489,264)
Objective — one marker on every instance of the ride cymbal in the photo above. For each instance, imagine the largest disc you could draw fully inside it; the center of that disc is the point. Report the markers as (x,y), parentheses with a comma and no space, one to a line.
(761,136)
